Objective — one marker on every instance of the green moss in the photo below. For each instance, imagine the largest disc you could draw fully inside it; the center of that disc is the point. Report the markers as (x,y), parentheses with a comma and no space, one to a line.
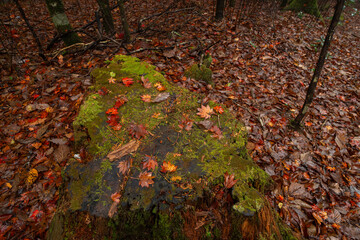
(200,73)
(307,6)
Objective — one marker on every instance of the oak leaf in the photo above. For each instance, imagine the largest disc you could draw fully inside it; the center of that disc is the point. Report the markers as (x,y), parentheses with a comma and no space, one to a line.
(146,179)
(205,112)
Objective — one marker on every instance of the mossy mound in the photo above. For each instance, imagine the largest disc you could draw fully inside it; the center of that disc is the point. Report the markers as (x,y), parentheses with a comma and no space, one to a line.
(159,169)
(202,73)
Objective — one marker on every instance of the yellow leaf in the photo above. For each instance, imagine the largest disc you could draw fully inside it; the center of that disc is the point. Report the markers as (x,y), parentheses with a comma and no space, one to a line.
(8,185)
(32,176)
(175,178)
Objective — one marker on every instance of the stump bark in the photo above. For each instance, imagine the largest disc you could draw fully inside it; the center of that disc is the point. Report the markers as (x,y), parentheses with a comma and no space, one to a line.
(159,165)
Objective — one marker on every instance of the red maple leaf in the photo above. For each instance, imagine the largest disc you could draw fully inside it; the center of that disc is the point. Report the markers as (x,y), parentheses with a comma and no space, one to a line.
(229,180)
(116,197)
(112,120)
(219,109)
(127,81)
(150,162)
(120,101)
(137,130)
(112,111)
(146,179)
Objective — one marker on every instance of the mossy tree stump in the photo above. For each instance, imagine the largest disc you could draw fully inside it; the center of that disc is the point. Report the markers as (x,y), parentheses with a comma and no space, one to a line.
(161,166)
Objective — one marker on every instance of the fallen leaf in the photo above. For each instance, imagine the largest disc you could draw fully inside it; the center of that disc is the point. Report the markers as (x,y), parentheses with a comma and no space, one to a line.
(126,149)
(112,80)
(205,112)
(229,181)
(168,167)
(161,97)
(112,111)
(150,162)
(219,109)
(137,130)
(121,100)
(160,87)
(61,153)
(217,132)
(127,81)
(175,178)
(116,197)
(146,98)
(145,82)
(146,179)
(124,166)
(206,124)
(32,176)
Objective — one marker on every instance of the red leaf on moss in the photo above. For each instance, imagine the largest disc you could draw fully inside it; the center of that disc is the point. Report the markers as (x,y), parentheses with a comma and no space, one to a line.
(112,111)
(120,101)
(112,120)
(168,167)
(229,180)
(127,81)
(219,109)
(137,130)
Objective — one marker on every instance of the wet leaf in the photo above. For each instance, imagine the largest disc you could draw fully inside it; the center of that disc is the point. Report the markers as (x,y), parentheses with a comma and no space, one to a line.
(219,109)
(137,130)
(168,167)
(161,97)
(146,98)
(32,176)
(123,150)
(127,81)
(205,112)
(116,197)
(229,181)
(150,163)
(146,179)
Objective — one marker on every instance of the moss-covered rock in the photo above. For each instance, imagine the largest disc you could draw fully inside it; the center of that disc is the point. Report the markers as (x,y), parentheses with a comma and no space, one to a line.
(169,172)
(202,73)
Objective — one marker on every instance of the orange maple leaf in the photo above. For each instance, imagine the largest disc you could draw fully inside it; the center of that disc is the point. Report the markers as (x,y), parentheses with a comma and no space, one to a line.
(219,109)
(116,197)
(150,163)
(146,98)
(168,167)
(159,87)
(146,179)
(124,166)
(112,80)
(205,112)
(112,111)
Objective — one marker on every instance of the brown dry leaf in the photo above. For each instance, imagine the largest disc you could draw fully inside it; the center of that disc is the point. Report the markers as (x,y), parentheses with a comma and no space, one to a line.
(161,97)
(145,82)
(205,112)
(118,153)
(61,153)
(229,181)
(137,130)
(207,124)
(150,163)
(124,166)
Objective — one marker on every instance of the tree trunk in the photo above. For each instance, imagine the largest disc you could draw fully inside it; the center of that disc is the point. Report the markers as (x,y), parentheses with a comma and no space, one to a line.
(311,90)
(307,6)
(106,13)
(220,6)
(124,21)
(61,22)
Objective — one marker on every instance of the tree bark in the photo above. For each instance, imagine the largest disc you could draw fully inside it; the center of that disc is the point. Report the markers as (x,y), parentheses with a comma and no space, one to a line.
(41,51)
(320,63)
(124,21)
(220,6)
(307,6)
(106,13)
(61,22)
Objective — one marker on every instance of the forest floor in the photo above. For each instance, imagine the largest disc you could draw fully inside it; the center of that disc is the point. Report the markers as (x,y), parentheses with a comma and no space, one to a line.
(262,64)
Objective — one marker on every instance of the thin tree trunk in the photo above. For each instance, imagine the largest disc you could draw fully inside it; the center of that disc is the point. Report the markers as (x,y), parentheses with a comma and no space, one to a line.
(41,51)
(124,21)
(106,13)
(220,6)
(61,22)
(320,63)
